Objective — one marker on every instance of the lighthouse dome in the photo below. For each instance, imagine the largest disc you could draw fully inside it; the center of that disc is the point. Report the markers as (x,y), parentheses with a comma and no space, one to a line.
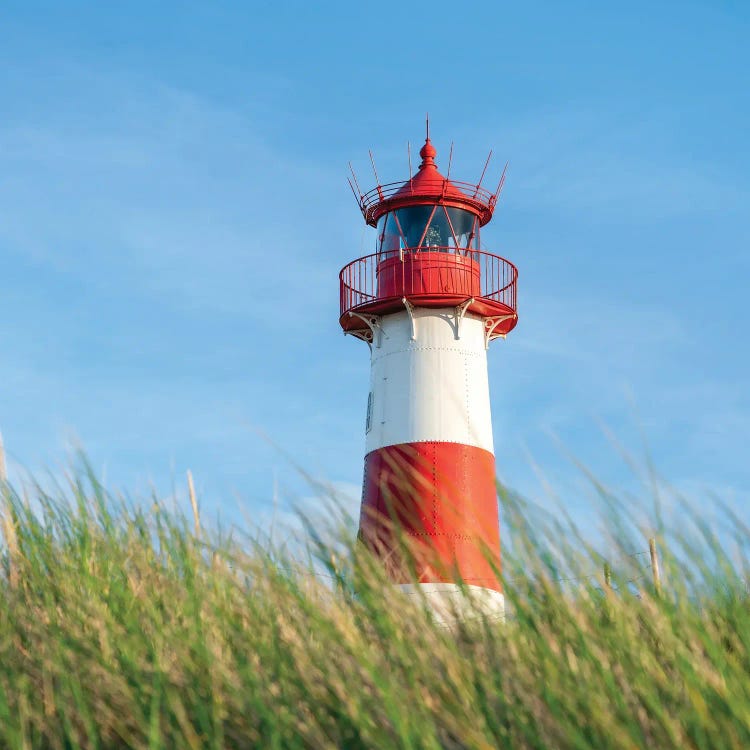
(427,211)
(428,187)
(428,183)
(427,251)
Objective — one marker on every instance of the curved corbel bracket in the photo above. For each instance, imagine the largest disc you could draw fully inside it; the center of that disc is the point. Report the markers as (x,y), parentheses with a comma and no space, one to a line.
(460,312)
(490,324)
(410,309)
(374,334)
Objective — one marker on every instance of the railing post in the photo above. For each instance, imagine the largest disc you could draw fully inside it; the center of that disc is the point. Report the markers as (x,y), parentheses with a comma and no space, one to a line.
(402,268)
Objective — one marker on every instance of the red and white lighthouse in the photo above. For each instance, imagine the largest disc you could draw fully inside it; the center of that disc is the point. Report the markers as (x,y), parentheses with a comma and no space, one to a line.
(428,302)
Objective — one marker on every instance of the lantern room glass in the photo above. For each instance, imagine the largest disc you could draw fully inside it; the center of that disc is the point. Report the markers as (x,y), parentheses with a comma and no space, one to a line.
(435,228)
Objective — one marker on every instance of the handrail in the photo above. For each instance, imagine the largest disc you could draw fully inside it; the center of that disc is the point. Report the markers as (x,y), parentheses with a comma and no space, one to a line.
(389,189)
(473,194)
(469,273)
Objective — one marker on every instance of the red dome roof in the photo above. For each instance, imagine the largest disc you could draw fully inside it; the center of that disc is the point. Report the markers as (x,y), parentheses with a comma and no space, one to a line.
(427,187)
(428,182)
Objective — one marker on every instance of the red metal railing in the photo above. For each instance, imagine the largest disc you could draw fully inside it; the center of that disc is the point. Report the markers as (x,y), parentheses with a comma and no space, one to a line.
(429,272)
(474,194)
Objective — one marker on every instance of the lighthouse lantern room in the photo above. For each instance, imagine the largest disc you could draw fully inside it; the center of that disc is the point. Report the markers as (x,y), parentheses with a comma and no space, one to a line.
(428,302)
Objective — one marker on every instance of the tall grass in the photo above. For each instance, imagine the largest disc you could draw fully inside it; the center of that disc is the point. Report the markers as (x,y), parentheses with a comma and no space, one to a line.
(126,626)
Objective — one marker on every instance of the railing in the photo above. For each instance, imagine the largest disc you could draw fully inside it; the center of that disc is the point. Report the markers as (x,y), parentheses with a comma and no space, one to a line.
(428,273)
(475,194)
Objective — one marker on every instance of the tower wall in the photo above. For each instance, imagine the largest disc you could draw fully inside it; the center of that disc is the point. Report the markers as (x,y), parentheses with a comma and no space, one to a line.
(432,388)
(429,475)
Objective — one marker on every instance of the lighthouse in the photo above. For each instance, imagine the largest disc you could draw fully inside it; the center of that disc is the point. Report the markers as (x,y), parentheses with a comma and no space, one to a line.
(428,302)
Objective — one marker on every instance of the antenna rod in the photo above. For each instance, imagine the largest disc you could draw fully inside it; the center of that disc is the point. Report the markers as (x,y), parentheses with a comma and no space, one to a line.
(486,164)
(372,161)
(408,151)
(428,125)
(501,183)
(354,192)
(355,179)
(450,159)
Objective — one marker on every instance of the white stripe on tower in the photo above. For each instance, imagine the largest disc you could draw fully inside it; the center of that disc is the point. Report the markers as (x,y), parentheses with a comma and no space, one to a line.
(433,387)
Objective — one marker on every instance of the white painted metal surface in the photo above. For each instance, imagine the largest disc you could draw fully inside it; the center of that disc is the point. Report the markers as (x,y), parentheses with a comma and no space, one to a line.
(433,386)
(449,603)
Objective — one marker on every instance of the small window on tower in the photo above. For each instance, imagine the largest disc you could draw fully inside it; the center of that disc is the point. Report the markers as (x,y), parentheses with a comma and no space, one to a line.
(464,228)
(368,421)
(389,238)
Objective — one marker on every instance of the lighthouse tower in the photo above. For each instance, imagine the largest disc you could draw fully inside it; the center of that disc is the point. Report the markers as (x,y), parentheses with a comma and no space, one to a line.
(428,302)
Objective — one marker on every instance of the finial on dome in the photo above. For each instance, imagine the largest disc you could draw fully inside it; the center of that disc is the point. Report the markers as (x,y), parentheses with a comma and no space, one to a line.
(428,153)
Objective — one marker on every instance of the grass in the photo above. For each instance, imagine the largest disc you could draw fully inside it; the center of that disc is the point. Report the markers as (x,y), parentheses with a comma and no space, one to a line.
(125,626)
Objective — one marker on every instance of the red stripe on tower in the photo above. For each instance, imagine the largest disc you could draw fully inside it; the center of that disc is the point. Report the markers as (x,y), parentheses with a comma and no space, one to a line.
(442,497)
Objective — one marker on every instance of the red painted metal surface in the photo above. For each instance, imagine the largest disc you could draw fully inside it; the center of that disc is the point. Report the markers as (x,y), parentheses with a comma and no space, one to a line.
(427,187)
(437,503)
(438,277)
(428,272)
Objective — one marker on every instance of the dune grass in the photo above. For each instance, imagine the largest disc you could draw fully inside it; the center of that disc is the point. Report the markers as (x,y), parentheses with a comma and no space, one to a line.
(122,626)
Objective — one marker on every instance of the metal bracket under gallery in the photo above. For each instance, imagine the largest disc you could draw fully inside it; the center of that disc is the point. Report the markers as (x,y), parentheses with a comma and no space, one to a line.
(373,333)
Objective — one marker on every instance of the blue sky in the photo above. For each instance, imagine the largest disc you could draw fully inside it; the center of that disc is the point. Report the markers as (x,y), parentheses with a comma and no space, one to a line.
(174,213)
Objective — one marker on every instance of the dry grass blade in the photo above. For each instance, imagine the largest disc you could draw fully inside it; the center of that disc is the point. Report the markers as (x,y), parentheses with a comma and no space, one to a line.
(194,503)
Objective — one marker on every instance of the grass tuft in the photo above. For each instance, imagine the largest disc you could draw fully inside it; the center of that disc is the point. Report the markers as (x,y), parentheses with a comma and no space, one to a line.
(122,626)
